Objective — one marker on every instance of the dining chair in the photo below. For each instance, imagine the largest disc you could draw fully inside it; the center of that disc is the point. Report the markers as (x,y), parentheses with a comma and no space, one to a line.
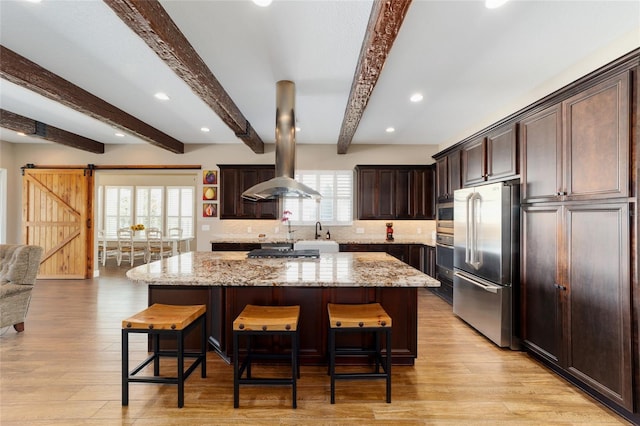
(177,233)
(105,249)
(127,247)
(155,245)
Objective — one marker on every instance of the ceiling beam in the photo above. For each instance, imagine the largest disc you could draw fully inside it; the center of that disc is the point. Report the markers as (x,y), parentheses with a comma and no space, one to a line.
(23,72)
(19,123)
(152,23)
(384,23)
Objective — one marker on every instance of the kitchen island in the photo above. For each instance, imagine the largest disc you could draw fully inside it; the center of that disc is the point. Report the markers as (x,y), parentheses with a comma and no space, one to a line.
(227,281)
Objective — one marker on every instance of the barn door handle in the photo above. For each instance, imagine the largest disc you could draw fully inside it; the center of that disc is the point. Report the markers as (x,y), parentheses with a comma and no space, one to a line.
(89,223)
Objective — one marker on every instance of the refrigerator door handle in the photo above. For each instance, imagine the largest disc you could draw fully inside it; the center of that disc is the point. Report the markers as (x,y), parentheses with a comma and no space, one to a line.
(484,285)
(468,249)
(474,258)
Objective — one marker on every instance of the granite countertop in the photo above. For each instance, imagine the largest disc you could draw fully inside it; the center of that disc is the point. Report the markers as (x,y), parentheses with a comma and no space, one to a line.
(234,269)
(427,241)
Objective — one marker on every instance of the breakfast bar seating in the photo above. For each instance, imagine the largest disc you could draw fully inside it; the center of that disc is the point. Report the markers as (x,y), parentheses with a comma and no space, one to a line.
(265,321)
(360,318)
(164,320)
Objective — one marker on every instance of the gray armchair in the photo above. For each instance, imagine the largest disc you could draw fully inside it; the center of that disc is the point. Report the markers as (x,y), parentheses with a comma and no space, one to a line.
(18,269)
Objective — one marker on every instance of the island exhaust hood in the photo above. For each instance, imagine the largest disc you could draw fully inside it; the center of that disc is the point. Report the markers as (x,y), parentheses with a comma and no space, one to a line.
(283,183)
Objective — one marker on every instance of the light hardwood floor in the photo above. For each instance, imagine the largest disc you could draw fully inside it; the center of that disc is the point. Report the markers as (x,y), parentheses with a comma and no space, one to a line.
(65,370)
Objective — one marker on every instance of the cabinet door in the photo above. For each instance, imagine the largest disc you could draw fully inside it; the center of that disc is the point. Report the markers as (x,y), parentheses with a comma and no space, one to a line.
(502,147)
(229,190)
(442,179)
(247,209)
(404,197)
(386,194)
(596,134)
(541,144)
(367,190)
(540,272)
(266,209)
(454,172)
(598,299)
(422,200)
(473,162)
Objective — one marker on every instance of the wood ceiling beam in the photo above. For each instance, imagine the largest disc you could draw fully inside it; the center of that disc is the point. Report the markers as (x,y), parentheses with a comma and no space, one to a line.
(384,23)
(23,72)
(152,23)
(18,123)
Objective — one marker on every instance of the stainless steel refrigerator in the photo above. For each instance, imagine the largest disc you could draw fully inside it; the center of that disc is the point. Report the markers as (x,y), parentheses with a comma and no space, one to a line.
(485,260)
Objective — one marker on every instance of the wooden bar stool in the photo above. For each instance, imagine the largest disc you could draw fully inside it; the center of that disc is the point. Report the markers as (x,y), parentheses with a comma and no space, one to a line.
(360,318)
(265,321)
(164,320)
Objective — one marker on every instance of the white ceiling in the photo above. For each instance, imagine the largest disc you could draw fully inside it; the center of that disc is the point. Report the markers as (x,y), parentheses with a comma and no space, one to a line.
(473,65)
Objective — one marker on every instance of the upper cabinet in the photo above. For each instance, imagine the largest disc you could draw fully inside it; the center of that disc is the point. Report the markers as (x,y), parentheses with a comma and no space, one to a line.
(395,192)
(579,149)
(448,175)
(491,157)
(234,180)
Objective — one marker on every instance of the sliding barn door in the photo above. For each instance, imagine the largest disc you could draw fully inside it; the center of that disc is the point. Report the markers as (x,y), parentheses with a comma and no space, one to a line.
(57,210)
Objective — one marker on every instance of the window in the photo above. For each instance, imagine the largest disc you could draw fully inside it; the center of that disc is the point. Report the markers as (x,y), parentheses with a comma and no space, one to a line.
(154,206)
(118,208)
(180,208)
(335,207)
(149,206)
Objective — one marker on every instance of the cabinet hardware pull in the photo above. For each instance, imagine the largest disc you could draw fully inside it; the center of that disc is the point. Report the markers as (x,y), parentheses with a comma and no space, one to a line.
(560,287)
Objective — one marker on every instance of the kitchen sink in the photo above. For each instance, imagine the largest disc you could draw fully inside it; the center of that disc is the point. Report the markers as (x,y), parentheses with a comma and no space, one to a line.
(324,246)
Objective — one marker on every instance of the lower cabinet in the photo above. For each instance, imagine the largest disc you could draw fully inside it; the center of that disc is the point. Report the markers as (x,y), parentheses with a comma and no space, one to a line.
(576,294)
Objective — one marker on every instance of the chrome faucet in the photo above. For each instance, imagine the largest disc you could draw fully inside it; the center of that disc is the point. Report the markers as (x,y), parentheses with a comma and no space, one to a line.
(317,233)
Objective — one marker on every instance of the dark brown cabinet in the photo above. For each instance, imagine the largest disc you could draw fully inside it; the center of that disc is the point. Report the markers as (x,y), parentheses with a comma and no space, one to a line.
(395,192)
(491,157)
(579,149)
(429,260)
(448,175)
(576,293)
(234,180)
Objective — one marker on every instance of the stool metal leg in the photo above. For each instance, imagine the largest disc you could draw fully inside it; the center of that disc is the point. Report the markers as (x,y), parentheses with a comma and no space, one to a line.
(294,367)
(236,366)
(332,363)
(388,368)
(180,355)
(125,367)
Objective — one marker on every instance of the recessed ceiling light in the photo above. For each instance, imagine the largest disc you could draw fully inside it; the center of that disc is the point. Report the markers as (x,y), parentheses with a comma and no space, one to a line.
(262,3)
(389,130)
(162,96)
(120,135)
(33,1)
(21,134)
(493,4)
(298,129)
(416,97)
(205,129)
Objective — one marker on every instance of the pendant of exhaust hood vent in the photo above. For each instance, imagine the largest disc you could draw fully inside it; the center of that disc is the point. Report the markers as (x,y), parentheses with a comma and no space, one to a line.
(284,183)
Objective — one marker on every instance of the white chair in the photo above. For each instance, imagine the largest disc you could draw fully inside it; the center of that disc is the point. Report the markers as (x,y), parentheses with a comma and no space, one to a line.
(177,233)
(127,247)
(155,245)
(105,249)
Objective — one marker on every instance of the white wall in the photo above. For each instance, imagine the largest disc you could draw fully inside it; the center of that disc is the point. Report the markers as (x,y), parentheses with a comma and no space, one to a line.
(314,157)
